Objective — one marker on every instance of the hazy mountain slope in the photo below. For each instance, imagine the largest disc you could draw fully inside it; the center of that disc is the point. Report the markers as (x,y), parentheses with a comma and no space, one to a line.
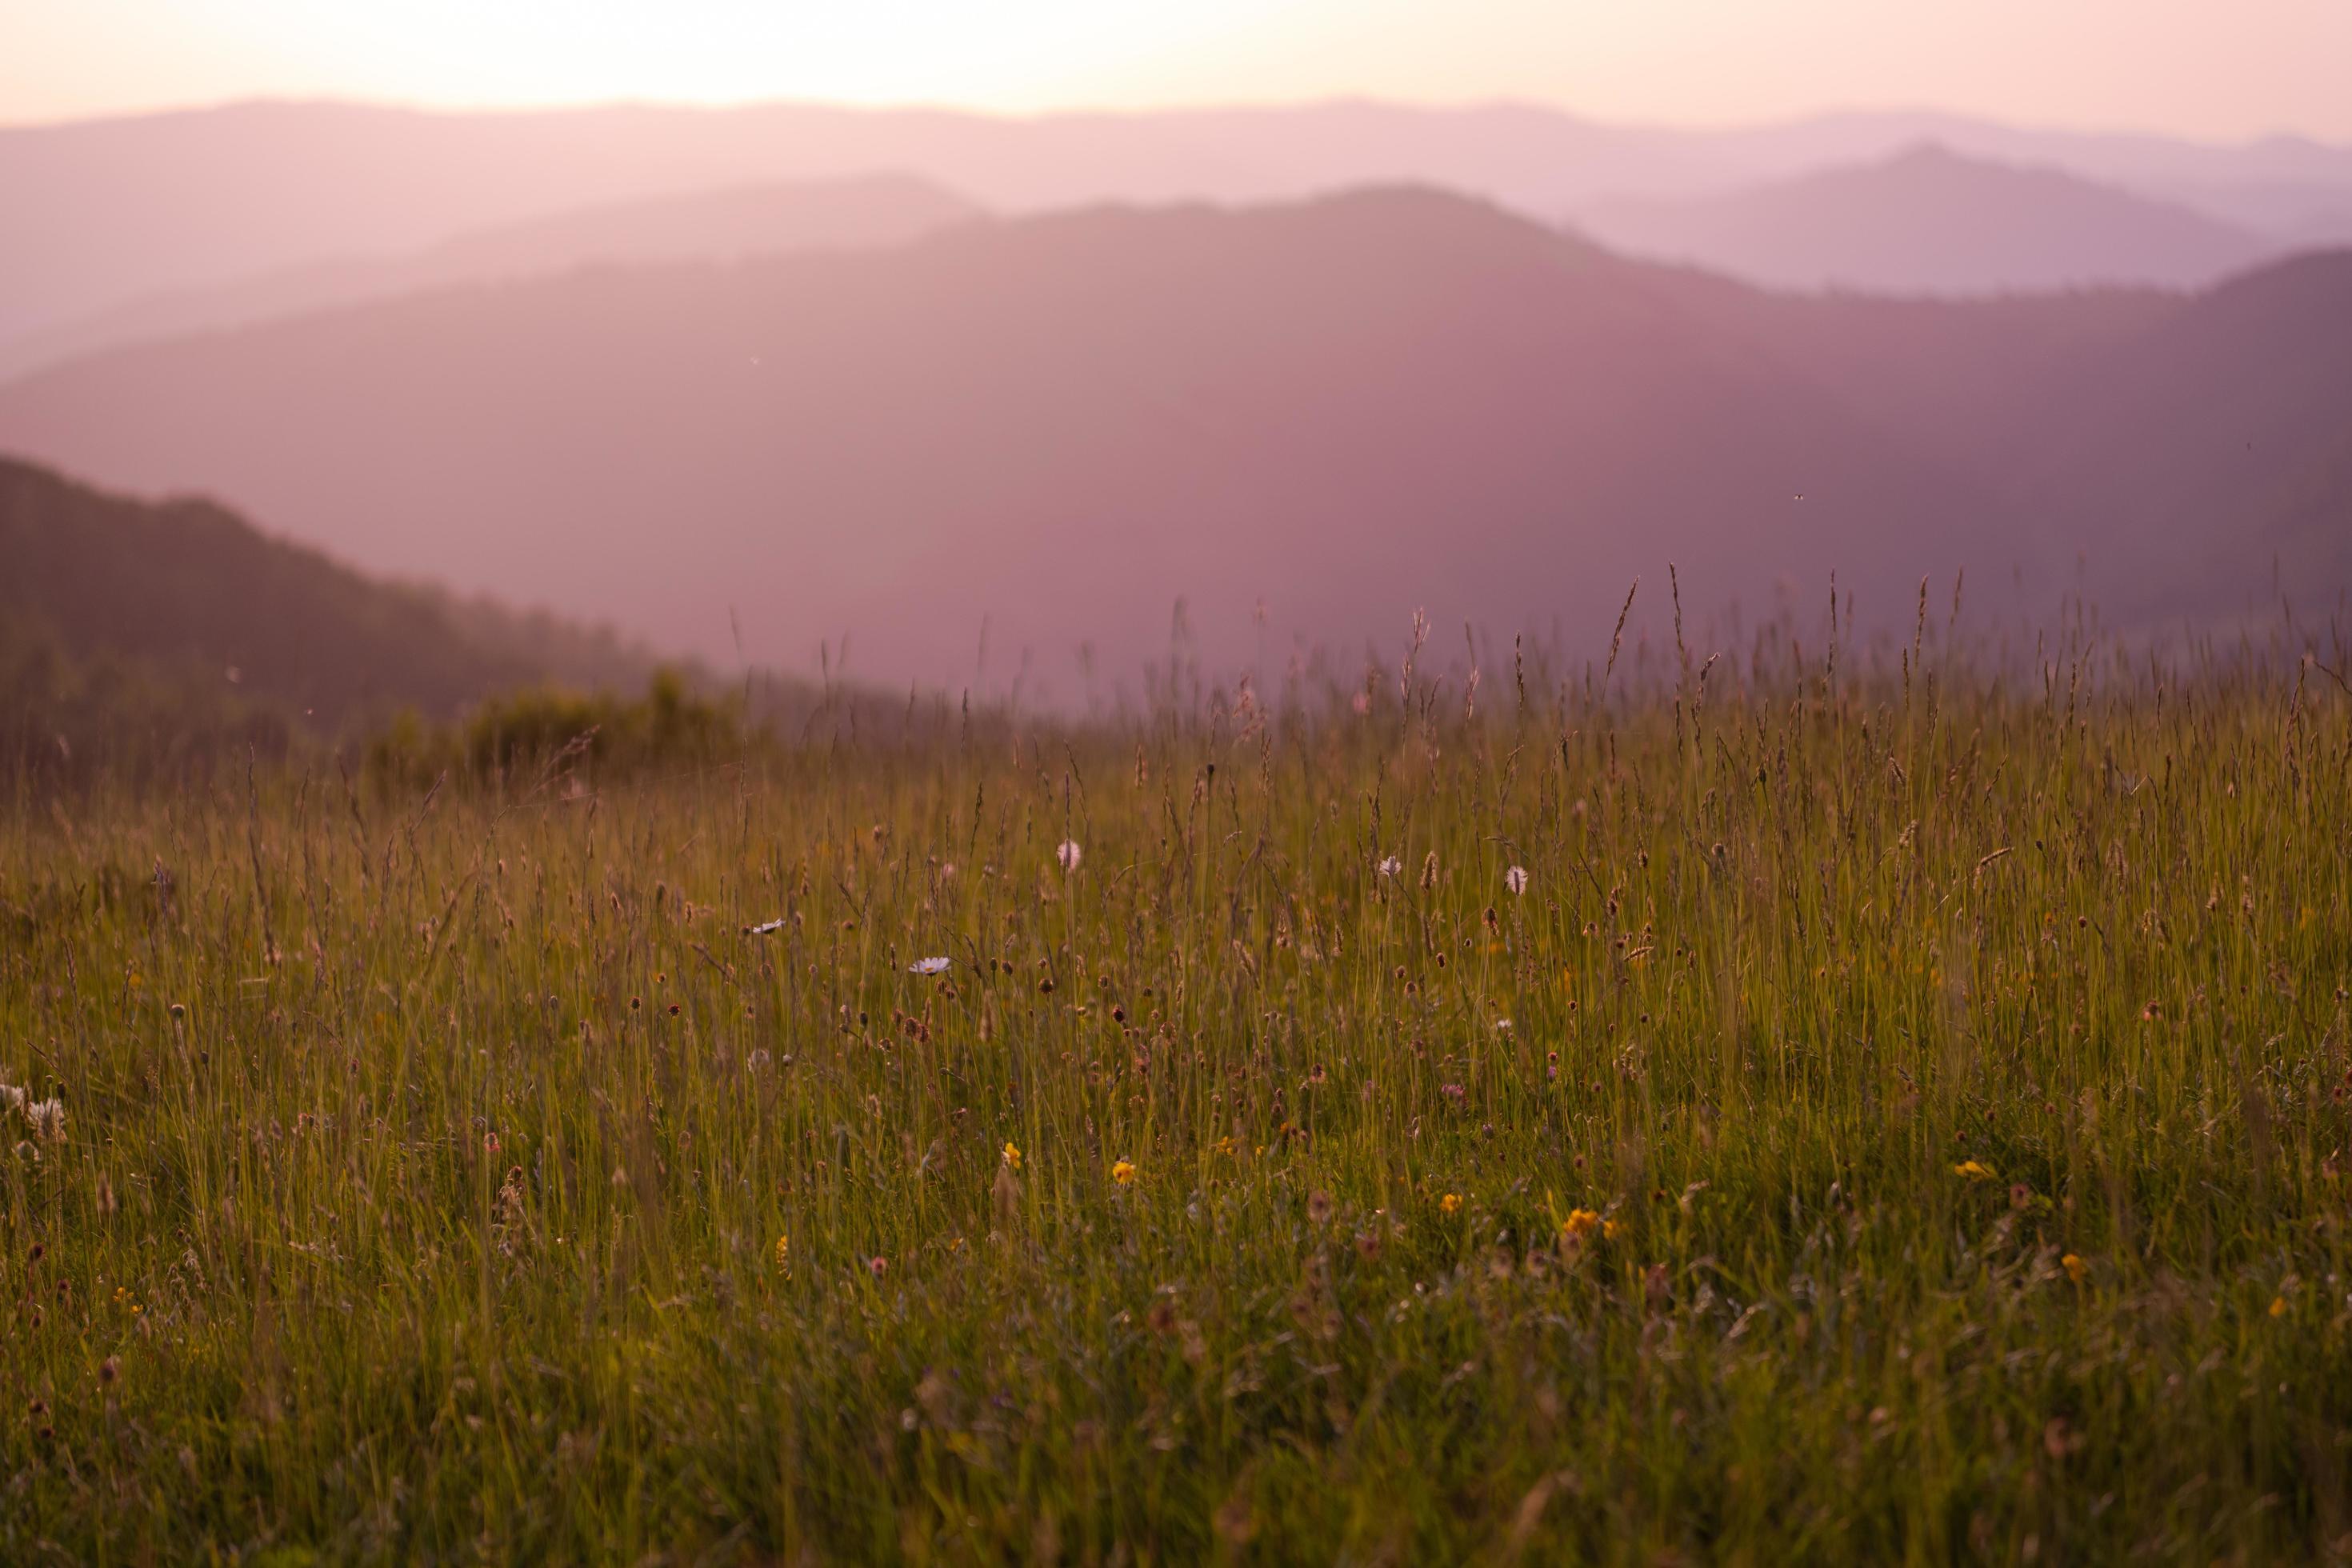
(197,596)
(122,209)
(747,220)
(135,207)
(2207,462)
(1928,221)
(1352,408)
(1963,381)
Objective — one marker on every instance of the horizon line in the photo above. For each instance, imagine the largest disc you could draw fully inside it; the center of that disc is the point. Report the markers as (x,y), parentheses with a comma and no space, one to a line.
(1500,103)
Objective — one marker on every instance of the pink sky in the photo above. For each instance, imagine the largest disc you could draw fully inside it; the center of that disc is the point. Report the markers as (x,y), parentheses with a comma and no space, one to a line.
(2187,67)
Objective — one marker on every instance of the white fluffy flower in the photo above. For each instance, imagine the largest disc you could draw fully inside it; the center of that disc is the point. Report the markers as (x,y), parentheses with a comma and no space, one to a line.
(1069,854)
(49,1119)
(930,967)
(1390,867)
(767,928)
(1516,879)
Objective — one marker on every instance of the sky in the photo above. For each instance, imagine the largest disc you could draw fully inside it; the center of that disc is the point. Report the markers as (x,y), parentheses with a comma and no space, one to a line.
(2195,67)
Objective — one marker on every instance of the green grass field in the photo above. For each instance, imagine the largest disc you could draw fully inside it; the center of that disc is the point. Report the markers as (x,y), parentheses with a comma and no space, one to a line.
(1902,1116)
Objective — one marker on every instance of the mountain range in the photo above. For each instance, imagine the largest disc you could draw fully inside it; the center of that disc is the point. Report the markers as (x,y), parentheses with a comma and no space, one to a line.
(771,219)
(1930,221)
(114,213)
(1306,419)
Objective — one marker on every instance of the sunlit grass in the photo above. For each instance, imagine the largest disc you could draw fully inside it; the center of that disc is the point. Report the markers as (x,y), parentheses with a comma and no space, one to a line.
(1899,1116)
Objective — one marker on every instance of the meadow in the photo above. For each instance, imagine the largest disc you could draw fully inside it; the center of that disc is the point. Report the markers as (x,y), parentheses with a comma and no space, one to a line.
(1816,1104)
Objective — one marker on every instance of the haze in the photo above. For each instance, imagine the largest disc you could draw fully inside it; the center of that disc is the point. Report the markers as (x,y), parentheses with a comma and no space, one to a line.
(2182,66)
(984,338)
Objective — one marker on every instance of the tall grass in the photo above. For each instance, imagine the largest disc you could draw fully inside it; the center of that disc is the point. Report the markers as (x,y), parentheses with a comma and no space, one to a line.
(1903,1118)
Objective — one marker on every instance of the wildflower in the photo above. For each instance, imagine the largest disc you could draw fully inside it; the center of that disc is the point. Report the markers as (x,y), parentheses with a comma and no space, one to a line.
(1516,879)
(1011,1156)
(784,1254)
(1579,1225)
(1390,867)
(11,1096)
(48,1118)
(2278,1306)
(878,1266)
(1610,1229)
(1225,1146)
(2074,1267)
(1069,854)
(1123,1173)
(765,928)
(930,967)
(1449,1203)
(1973,1171)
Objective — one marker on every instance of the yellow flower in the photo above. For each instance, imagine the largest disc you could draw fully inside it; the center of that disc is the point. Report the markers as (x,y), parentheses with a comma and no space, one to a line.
(784,1252)
(1450,1202)
(2074,1267)
(1579,1225)
(1123,1173)
(1011,1156)
(1973,1171)
(1225,1146)
(1610,1229)
(2278,1306)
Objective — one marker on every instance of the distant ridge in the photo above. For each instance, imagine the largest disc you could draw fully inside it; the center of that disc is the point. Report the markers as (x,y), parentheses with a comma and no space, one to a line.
(110,212)
(1930,221)
(723,225)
